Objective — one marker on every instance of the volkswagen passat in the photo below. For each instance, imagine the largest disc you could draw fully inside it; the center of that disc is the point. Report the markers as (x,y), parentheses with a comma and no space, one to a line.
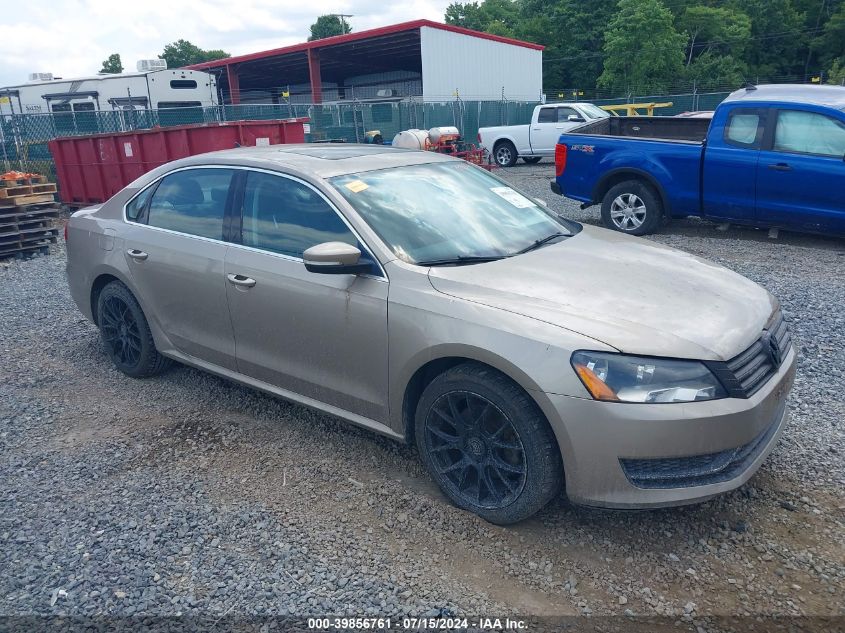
(423,298)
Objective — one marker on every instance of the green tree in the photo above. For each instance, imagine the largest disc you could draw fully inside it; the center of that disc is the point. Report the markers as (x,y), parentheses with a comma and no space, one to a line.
(183,53)
(714,30)
(468,15)
(573,33)
(779,40)
(112,65)
(499,17)
(328,26)
(643,51)
(711,71)
(836,74)
(830,45)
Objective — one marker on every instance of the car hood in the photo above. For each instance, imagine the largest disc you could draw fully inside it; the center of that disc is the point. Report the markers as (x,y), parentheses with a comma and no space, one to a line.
(630,293)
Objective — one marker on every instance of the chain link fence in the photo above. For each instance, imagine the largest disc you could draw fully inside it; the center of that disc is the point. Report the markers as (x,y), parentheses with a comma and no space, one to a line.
(24,137)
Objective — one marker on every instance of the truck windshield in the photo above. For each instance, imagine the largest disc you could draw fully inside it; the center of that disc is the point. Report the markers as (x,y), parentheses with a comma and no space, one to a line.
(449,212)
(594,112)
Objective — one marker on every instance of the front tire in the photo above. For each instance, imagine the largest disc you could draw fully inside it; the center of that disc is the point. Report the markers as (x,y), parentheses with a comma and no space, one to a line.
(126,334)
(632,207)
(505,154)
(487,444)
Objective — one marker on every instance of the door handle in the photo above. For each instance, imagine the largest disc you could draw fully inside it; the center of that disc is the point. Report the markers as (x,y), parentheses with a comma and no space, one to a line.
(241,280)
(135,254)
(780,167)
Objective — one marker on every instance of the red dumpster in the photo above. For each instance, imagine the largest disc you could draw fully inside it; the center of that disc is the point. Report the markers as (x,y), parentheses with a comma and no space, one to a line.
(91,169)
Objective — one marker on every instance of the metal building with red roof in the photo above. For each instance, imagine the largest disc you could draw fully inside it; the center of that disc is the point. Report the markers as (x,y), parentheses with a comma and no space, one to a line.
(421,58)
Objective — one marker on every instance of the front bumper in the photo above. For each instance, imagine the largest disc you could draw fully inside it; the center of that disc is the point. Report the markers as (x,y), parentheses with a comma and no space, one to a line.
(620,455)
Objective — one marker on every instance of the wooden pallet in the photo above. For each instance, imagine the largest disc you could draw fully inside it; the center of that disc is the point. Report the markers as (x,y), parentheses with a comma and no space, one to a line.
(35,180)
(24,200)
(27,250)
(27,190)
(27,230)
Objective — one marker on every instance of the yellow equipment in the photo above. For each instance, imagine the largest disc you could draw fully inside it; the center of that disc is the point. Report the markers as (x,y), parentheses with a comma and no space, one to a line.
(632,109)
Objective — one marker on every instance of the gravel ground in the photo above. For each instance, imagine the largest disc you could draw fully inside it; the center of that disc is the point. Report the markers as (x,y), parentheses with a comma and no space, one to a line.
(185,494)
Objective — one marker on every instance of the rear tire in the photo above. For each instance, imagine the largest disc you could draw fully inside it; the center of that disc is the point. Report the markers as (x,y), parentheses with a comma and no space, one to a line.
(532,160)
(504,153)
(126,334)
(487,444)
(632,207)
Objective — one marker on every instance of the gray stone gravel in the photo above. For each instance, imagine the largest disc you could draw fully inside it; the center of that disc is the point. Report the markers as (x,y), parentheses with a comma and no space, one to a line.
(185,494)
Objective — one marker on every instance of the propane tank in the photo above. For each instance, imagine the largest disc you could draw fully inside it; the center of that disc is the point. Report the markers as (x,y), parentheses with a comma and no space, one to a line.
(411,139)
(435,134)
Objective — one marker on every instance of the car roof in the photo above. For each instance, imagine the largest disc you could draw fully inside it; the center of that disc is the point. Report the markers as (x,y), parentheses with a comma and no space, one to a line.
(832,96)
(323,160)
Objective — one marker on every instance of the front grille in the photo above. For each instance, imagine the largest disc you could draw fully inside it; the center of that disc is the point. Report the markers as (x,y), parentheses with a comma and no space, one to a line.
(699,470)
(747,372)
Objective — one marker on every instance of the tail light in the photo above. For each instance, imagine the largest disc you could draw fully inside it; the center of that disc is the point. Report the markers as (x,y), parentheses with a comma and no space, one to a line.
(66,231)
(478,137)
(560,159)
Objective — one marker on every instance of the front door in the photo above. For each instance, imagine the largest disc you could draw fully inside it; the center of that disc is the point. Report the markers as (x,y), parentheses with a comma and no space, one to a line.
(801,177)
(318,335)
(730,165)
(174,250)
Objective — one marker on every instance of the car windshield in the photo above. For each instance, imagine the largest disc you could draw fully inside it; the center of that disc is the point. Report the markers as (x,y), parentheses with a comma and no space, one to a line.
(593,111)
(438,212)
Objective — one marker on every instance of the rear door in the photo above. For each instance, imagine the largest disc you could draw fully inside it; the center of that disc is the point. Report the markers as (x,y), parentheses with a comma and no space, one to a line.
(730,158)
(318,335)
(801,173)
(175,251)
(551,122)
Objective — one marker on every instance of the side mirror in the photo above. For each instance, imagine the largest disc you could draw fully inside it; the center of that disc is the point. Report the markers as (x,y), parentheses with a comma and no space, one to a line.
(334,258)
(574,118)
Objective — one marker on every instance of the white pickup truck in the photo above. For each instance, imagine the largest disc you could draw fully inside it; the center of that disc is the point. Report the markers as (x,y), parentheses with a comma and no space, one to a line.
(531,142)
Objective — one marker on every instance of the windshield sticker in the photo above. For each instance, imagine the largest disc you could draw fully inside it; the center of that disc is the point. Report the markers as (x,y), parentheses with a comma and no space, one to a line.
(356,186)
(514,197)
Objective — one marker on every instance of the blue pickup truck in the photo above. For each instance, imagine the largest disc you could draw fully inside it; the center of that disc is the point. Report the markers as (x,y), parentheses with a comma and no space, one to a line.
(772,156)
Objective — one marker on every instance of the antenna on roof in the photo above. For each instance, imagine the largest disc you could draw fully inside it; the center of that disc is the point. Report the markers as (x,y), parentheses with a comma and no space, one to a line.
(749,86)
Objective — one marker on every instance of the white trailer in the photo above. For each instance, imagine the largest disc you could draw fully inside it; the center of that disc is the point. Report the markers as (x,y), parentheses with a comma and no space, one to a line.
(153,89)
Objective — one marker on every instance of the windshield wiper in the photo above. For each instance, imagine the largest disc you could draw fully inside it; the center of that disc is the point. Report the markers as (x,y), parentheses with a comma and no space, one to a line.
(460,260)
(545,240)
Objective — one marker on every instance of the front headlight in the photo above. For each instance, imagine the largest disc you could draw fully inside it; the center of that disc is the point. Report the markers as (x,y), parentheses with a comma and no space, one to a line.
(621,378)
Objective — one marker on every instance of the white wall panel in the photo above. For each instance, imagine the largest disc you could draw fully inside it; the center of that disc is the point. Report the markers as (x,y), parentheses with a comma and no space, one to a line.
(478,68)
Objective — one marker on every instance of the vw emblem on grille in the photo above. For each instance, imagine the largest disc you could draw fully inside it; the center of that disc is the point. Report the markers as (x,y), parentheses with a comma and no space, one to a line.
(772,348)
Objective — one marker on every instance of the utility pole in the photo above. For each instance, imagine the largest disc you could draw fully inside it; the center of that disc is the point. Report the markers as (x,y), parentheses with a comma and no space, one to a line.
(342,17)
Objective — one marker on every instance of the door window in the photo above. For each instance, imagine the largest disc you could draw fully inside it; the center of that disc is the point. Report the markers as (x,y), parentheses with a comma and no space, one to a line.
(547,115)
(744,128)
(285,216)
(192,201)
(137,204)
(563,114)
(809,133)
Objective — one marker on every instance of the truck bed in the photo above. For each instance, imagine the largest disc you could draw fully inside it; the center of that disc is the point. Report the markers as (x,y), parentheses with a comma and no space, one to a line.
(687,130)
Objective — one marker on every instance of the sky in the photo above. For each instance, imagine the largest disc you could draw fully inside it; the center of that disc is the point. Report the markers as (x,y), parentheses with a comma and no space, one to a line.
(71,38)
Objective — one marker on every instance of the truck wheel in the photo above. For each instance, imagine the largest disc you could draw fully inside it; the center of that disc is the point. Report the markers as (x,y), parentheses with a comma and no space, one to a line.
(505,154)
(532,160)
(632,207)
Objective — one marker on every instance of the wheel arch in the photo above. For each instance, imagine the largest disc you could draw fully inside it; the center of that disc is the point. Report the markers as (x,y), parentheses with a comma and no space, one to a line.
(428,369)
(505,139)
(101,280)
(615,176)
